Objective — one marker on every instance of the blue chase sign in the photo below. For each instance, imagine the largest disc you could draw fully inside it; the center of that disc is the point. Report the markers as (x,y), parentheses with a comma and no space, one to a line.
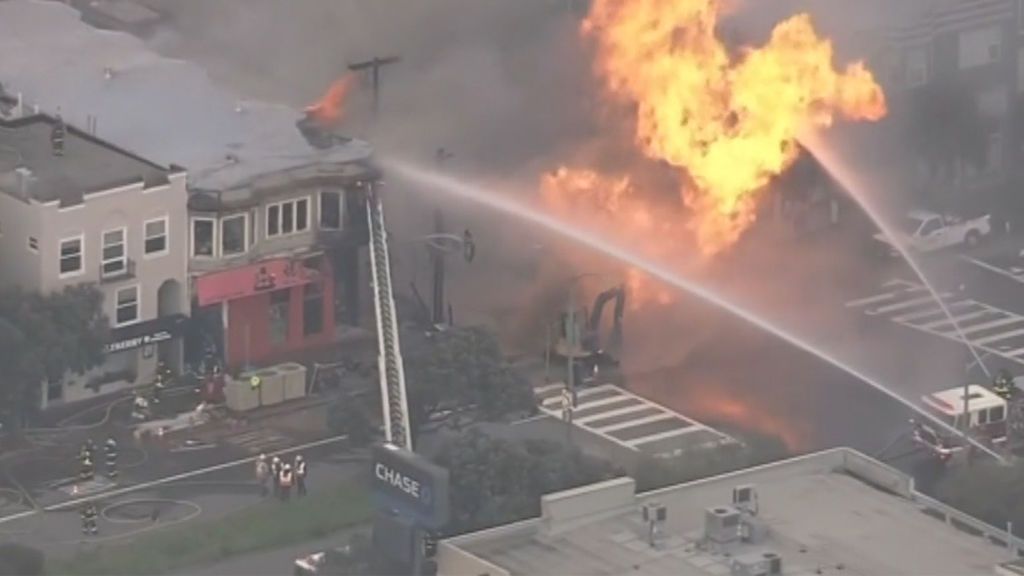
(410,485)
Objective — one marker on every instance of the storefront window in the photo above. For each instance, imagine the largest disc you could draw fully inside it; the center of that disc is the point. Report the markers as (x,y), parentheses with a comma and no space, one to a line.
(279,303)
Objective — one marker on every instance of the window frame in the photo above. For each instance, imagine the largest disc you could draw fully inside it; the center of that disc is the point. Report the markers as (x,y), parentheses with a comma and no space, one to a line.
(192,236)
(81,256)
(166,235)
(341,209)
(245,235)
(279,221)
(124,252)
(138,305)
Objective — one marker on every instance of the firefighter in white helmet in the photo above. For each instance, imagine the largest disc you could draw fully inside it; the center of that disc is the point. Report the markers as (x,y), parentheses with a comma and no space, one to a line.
(262,474)
(285,481)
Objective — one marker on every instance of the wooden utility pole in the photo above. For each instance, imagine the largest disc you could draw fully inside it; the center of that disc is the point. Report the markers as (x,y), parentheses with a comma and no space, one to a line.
(374,66)
(441,156)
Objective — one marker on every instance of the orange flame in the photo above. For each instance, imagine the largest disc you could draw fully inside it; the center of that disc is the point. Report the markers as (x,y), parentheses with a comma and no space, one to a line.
(727,123)
(330,108)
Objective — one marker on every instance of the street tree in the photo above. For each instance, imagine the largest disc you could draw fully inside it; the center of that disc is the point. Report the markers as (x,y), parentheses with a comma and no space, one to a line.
(43,338)
(987,490)
(463,368)
(948,131)
(495,481)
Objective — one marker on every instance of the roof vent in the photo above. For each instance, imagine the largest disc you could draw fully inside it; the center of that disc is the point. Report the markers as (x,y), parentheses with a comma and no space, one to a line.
(108,73)
(24,180)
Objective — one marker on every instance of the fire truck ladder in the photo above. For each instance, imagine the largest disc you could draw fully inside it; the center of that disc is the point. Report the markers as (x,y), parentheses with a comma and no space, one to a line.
(389,359)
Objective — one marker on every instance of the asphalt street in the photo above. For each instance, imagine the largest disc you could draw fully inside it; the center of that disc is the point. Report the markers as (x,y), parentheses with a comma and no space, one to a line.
(198,496)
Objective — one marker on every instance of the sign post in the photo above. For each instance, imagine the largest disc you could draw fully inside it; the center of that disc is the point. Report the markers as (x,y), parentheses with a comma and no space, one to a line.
(414,492)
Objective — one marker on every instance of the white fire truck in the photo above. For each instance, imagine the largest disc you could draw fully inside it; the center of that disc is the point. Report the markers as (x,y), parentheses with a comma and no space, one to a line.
(984,414)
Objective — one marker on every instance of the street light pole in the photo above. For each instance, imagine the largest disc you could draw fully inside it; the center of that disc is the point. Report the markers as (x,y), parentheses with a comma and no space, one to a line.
(438,307)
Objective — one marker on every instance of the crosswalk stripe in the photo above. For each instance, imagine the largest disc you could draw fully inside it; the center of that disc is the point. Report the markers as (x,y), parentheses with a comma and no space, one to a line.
(1000,336)
(639,442)
(872,299)
(959,305)
(638,422)
(905,304)
(959,319)
(989,325)
(610,413)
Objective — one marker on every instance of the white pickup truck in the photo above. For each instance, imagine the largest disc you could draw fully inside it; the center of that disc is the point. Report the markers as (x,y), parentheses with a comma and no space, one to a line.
(928,231)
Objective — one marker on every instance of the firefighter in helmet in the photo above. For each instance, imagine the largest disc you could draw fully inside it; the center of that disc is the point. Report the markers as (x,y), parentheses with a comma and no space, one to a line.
(1002,384)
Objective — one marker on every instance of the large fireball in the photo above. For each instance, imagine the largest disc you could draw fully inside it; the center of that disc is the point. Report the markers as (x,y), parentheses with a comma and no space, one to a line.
(727,122)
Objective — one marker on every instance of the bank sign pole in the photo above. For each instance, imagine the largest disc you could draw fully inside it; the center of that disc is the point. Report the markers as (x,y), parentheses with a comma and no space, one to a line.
(412,498)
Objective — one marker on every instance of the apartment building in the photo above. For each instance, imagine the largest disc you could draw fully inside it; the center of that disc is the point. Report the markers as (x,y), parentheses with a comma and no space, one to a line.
(77,209)
(978,44)
(276,220)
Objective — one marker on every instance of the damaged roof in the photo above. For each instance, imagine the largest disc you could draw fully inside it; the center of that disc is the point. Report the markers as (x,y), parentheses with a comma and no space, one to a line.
(163,109)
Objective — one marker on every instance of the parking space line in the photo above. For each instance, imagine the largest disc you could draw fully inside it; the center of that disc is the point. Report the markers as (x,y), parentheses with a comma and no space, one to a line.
(1015,353)
(993,268)
(1001,336)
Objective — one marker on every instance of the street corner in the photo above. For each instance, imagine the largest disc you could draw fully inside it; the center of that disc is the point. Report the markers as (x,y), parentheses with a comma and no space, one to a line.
(13,503)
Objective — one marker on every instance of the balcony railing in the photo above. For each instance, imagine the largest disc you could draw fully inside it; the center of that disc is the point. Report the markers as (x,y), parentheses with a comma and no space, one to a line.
(116,270)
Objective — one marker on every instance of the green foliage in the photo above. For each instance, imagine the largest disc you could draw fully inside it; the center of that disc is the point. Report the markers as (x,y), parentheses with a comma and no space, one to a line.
(464,367)
(348,415)
(987,490)
(46,337)
(653,473)
(265,526)
(496,481)
(18,560)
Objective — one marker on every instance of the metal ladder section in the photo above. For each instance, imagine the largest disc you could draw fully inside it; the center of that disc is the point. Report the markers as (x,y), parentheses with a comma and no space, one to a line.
(389,359)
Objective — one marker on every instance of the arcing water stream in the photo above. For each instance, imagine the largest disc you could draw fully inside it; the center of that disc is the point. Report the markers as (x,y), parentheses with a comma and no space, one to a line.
(845,178)
(432,180)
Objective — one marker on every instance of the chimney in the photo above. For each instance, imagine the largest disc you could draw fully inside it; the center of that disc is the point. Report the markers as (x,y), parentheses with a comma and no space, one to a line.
(57,135)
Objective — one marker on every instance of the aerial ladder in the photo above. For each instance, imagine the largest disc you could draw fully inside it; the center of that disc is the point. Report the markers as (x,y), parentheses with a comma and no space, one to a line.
(389,354)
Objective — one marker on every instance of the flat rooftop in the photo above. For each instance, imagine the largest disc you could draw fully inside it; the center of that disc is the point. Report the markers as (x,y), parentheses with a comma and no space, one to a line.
(163,109)
(87,165)
(826,513)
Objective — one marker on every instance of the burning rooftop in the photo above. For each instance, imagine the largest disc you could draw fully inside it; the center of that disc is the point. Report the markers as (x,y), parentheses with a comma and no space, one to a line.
(160,108)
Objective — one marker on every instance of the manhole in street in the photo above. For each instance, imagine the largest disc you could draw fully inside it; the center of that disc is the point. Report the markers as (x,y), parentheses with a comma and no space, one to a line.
(150,510)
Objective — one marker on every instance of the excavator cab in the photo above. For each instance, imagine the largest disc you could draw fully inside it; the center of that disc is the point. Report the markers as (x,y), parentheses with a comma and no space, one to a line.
(590,352)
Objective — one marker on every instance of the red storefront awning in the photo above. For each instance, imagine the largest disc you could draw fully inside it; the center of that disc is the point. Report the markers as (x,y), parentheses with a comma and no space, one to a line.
(266,276)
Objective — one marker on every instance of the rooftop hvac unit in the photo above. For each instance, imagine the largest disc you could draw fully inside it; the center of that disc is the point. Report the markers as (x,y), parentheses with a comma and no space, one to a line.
(722,525)
(763,564)
(744,497)
(654,512)
(753,530)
